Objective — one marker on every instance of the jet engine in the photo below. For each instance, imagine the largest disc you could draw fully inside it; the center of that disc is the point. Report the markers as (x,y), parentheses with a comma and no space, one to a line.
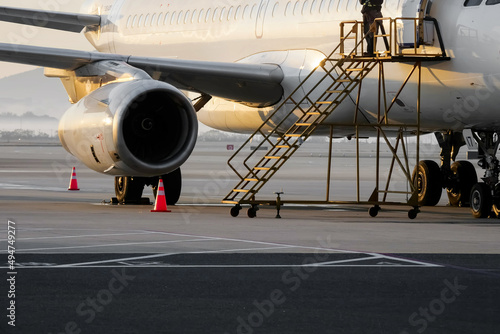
(141,128)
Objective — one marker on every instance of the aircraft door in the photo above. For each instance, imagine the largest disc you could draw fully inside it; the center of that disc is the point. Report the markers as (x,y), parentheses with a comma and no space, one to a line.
(261,15)
(412,9)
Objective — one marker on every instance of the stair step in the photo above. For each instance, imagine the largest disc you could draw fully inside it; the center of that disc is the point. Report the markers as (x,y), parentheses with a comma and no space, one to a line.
(303,124)
(241,190)
(335,91)
(327,102)
(283,146)
(252,180)
(230,202)
(262,168)
(313,113)
(271,157)
(345,80)
(355,69)
(293,135)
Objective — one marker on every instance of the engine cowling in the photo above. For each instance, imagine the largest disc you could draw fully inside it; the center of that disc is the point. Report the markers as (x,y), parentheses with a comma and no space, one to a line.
(136,128)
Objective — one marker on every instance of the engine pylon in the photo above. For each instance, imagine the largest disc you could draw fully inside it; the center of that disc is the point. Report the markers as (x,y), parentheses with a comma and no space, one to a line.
(73,182)
(161,201)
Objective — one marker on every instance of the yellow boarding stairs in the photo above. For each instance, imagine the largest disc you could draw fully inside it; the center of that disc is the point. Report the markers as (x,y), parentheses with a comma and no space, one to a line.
(340,76)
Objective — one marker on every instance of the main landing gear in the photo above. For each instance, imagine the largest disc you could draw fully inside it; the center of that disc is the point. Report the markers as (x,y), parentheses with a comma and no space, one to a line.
(128,189)
(458,178)
(485,196)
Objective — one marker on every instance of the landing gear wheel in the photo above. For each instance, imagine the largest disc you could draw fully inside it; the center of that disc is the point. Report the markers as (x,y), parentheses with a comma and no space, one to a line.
(412,214)
(252,212)
(173,186)
(128,188)
(496,201)
(374,210)
(481,200)
(235,211)
(466,178)
(427,178)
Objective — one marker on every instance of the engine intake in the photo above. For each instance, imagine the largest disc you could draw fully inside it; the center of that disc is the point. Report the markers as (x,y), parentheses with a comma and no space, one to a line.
(136,128)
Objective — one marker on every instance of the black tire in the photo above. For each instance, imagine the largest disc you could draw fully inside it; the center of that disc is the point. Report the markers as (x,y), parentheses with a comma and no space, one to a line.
(252,213)
(466,178)
(496,201)
(373,211)
(412,214)
(173,186)
(481,200)
(235,211)
(427,178)
(128,188)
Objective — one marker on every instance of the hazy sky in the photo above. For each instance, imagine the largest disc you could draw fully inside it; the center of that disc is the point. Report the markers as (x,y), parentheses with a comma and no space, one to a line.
(18,34)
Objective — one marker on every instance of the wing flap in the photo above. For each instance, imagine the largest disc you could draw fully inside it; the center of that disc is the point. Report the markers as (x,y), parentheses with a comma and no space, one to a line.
(251,84)
(47,19)
(256,85)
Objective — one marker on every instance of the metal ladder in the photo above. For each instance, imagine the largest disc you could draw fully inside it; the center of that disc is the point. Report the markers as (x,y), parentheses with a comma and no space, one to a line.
(341,77)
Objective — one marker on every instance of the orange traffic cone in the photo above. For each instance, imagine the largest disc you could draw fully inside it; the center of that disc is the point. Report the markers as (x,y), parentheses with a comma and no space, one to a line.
(73,183)
(161,201)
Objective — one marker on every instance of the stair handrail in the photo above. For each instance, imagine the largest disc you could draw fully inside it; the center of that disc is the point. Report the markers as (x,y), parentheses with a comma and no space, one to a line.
(280,106)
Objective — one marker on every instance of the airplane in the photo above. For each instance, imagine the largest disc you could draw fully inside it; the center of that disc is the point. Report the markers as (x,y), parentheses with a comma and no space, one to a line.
(161,66)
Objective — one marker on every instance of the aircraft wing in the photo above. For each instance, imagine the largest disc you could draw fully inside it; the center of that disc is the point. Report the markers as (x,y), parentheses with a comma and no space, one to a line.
(48,19)
(252,84)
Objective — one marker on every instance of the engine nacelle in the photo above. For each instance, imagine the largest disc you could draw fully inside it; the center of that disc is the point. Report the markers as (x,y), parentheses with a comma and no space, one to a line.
(136,128)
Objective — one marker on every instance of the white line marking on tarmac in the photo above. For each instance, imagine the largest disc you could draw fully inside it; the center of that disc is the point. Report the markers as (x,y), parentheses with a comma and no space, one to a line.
(228,266)
(85,236)
(198,238)
(147,257)
(347,261)
(109,245)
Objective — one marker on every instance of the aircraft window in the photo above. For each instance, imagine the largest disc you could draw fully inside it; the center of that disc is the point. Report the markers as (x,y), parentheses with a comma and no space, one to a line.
(296,8)
(166,18)
(230,13)
(238,10)
(146,21)
(129,21)
(172,19)
(193,18)
(470,3)
(207,18)
(140,21)
(330,7)
(304,10)
(179,19)
(216,13)
(200,18)
(287,8)
(245,12)
(492,2)
(222,13)
(153,19)
(322,5)
(313,5)
(252,13)
(275,9)
(160,19)
(186,18)
(339,7)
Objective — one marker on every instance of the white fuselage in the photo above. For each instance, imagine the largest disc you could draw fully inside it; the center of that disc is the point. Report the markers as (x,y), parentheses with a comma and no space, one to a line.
(457,94)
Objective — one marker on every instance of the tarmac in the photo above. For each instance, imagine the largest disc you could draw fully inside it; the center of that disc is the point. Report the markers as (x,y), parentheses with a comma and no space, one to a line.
(84,266)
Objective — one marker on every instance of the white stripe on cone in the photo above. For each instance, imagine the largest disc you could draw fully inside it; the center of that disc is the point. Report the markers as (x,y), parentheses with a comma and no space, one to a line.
(73,182)
(161,201)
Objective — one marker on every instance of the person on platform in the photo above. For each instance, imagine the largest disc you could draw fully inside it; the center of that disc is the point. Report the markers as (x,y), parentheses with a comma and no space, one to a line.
(372,9)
